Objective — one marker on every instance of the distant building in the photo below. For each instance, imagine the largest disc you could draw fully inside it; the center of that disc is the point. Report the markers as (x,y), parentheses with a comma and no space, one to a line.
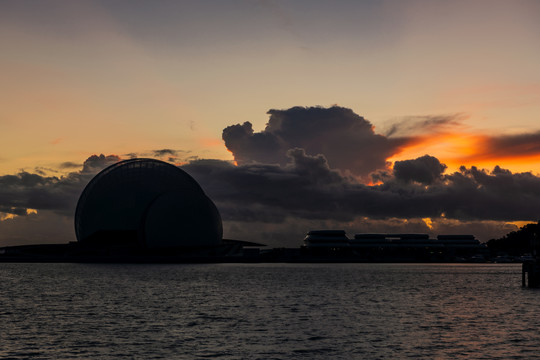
(393,247)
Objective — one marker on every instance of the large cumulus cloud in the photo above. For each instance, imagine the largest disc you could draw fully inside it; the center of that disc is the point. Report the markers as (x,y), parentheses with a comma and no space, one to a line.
(347,140)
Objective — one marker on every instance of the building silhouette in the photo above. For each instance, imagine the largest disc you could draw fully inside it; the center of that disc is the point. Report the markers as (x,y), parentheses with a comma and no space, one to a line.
(146,203)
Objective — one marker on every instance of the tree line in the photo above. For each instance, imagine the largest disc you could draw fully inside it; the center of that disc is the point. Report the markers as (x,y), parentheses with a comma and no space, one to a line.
(518,242)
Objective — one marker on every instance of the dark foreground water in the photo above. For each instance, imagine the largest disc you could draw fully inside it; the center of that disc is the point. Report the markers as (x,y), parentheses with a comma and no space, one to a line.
(267,311)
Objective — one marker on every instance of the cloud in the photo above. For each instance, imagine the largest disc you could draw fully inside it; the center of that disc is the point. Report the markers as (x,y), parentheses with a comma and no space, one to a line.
(169,155)
(414,125)
(281,203)
(97,162)
(445,134)
(35,208)
(165,152)
(509,146)
(24,190)
(425,170)
(70,165)
(307,188)
(346,140)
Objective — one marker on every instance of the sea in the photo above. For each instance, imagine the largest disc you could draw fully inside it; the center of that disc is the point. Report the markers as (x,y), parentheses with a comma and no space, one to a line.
(267,311)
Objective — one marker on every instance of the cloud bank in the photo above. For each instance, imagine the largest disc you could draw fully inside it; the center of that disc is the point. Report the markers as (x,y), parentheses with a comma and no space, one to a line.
(306,187)
(306,193)
(24,191)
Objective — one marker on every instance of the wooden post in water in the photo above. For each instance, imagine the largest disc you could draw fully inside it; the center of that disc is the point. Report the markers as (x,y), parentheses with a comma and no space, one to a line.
(530,274)
(530,271)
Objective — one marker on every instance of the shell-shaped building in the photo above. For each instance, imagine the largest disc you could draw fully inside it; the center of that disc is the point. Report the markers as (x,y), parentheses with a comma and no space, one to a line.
(147,203)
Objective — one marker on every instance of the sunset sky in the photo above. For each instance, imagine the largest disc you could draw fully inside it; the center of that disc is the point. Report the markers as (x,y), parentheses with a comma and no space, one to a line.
(456,80)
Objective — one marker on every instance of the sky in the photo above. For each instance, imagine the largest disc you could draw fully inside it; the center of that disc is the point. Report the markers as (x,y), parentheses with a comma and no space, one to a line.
(371,116)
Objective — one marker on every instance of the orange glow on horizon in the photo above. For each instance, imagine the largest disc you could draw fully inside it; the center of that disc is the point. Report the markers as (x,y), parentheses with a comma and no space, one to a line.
(371,182)
(468,149)
(521,224)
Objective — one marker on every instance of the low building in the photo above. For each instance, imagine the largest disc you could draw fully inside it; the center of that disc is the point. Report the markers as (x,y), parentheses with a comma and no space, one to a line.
(393,247)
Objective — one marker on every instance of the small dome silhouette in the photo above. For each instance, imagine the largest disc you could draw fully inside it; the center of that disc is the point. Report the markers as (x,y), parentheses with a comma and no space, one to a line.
(148,203)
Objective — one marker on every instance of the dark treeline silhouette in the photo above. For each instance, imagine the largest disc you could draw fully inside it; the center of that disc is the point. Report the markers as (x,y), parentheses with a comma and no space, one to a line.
(517,242)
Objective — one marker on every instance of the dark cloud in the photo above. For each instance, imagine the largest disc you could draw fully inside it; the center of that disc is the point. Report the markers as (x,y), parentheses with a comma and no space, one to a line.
(247,146)
(131,155)
(25,180)
(97,162)
(307,188)
(40,170)
(505,146)
(32,191)
(420,124)
(425,170)
(314,168)
(70,165)
(381,176)
(268,192)
(276,202)
(346,139)
(169,155)
(59,194)
(165,152)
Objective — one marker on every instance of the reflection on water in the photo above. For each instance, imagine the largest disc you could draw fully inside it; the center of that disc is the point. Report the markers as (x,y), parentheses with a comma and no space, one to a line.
(250,311)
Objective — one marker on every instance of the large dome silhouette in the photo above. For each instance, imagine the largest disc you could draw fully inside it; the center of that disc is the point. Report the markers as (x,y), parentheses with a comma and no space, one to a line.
(148,203)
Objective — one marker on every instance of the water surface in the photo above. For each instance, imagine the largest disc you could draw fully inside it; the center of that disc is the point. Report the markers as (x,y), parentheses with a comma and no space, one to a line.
(268,311)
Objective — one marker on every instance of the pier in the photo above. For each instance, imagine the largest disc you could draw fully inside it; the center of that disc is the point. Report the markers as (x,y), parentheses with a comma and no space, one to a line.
(530,271)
